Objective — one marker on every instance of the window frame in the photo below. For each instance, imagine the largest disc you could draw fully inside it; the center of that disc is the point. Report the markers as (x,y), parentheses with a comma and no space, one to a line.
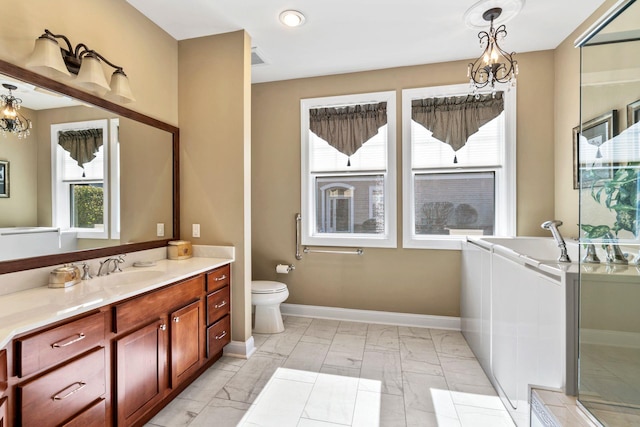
(388,239)
(505,173)
(60,194)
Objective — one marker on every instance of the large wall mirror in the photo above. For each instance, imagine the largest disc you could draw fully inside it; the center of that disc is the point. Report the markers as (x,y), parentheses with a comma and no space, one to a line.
(92,178)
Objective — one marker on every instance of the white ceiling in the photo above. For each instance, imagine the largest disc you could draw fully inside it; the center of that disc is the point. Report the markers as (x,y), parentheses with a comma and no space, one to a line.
(342,36)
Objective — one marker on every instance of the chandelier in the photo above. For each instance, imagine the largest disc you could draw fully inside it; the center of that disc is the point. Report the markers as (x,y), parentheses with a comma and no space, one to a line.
(11,120)
(495,65)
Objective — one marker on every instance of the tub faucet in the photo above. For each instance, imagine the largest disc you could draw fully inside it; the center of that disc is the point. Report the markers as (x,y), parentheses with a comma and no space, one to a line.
(553,227)
(614,254)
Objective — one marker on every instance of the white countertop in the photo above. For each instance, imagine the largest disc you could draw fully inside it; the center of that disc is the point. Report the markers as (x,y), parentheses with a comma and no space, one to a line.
(29,309)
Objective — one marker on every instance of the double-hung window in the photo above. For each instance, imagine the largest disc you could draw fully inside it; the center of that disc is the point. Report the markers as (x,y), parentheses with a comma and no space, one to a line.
(80,177)
(458,165)
(348,170)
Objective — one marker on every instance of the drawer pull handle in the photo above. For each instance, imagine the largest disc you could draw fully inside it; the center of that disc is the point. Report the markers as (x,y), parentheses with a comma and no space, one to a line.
(222,335)
(81,386)
(163,327)
(222,304)
(176,319)
(217,279)
(81,336)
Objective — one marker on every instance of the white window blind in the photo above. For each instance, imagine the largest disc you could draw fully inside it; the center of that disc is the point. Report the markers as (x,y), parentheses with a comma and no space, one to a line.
(372,156)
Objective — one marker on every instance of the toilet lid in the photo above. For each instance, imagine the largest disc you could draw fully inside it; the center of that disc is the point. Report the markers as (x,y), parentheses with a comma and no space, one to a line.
(267,287)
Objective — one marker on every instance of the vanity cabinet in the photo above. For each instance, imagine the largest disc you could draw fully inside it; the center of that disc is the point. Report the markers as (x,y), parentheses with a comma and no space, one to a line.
(218,310)
(121,363)
(62,371)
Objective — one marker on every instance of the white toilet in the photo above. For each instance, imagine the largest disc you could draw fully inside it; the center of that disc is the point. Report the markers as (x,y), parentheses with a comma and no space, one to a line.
(267,297)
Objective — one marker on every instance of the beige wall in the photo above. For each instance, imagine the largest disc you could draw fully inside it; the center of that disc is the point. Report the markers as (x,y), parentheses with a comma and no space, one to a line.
(567,116)
(397,280)
(113,28)
(214,105)
(20,208)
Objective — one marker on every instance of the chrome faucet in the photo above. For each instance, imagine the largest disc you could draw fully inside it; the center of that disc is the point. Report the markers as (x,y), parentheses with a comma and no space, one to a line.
(553,227)
(614,254)
(104,268)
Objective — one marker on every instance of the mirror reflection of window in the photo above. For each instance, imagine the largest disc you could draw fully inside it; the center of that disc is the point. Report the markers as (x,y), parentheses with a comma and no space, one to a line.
(80,175)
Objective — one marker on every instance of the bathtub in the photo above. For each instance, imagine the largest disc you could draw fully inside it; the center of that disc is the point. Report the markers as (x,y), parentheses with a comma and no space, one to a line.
(24,242)
(518,312)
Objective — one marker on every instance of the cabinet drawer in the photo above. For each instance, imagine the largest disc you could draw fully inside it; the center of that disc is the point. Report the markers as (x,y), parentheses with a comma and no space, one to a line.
(3,372)
(94,416)
(218,335)
(139,310)
(47,348)
(218,304)
(219,278)
(63,392)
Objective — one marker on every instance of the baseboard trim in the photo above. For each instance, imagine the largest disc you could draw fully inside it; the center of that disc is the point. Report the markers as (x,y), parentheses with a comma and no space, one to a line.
(610,338)
(240,349)
(371,316)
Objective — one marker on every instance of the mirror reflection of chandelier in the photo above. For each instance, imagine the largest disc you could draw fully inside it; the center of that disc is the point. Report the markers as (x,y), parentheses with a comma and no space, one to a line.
(11,121)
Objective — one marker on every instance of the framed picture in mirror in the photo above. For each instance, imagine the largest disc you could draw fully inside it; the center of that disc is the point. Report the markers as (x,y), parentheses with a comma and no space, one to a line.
(633,113)
(4,178)
(588,147)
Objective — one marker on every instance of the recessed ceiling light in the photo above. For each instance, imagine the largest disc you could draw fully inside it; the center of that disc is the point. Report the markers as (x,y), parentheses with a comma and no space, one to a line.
(292,18)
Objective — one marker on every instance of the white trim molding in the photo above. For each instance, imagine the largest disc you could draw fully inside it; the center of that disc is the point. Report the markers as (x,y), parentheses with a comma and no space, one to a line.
(240,349)
(610,338)
(371,316)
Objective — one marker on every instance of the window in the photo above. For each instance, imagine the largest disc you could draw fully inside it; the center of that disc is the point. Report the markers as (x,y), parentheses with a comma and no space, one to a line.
(80,177)
(447,193)
(348,192)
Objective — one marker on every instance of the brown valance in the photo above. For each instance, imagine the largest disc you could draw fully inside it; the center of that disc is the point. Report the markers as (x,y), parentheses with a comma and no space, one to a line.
(454,119)
(82,145)
(348,128)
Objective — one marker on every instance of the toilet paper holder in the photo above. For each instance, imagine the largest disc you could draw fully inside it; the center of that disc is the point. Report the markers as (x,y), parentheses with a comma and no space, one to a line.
(284,268)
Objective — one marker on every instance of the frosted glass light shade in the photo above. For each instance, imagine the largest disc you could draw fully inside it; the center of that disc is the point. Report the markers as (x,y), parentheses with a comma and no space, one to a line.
(120,89)
(47,58)
(91,75)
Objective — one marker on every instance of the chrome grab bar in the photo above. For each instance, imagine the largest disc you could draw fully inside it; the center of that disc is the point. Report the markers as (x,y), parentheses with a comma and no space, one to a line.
(308,250)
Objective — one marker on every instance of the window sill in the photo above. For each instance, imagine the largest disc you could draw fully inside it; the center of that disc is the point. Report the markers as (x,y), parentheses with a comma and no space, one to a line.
(453,243)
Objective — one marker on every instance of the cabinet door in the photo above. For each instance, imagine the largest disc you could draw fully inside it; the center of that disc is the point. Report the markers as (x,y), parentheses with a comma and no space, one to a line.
(141,371)
(185,341)
(3,412)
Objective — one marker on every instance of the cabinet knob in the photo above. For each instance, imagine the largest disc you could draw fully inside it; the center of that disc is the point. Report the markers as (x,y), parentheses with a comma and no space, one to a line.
(217,279)
(163,327)
(176,319)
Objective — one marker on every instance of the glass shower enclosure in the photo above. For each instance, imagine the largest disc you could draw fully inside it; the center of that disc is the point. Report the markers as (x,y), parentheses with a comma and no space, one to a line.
(606,173)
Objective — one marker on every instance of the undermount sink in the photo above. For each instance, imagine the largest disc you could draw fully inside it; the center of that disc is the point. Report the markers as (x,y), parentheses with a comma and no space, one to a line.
(127,277)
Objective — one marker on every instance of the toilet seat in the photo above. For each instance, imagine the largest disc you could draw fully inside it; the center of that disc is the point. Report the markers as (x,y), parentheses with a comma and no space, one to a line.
(267,287)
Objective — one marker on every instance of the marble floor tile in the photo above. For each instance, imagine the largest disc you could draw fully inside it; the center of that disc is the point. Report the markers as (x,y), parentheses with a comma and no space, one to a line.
(346,351)
(382,338)
(180,412)
(326,373)
(280,404)
(450,343)
(353,328)
(386,367)
(307,356)
(418,354)
(207,385)
(332,399)
(392,411)
(248,382)
(221,413)
(340,370)
(473,416)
